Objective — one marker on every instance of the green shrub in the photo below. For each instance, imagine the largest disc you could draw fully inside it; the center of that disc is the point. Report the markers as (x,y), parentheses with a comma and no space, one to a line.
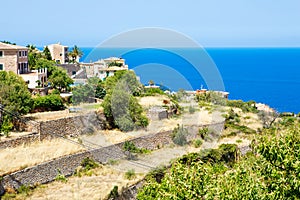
(197,143)
(203,132)
(179,135)
(152,91)
(88,164)
(130,174)
(60,177)
(245,106)
(192,109)
(130,146)
(52,102)
(113,193)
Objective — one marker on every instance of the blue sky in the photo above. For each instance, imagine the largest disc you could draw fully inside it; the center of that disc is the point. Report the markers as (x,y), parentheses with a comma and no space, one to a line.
(240,23)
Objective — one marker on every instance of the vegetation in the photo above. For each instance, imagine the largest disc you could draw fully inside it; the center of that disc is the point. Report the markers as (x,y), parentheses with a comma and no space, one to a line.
(46,53)
(245,106)
(121,108)
(52,102)
(75,53)
(113,193)
(232,120)
(14,97)
(60,80)
(211,97)
(270,171)
(130,174)
(60,177)
(179,135)
(130,146)
(88,92)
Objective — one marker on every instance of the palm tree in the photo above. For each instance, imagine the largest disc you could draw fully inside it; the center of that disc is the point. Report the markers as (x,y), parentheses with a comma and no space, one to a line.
(75,53)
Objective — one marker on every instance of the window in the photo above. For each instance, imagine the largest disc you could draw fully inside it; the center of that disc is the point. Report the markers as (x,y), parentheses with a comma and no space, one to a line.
(20,53)
(1,53)
(1,66)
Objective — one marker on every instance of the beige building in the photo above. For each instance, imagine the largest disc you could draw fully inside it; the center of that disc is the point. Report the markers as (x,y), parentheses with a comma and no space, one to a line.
(14,58)
(59,53)
(105,67)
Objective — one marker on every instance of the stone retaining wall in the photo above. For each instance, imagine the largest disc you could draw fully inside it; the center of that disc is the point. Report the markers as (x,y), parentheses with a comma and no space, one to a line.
(72,126)
(46,172)
(26,139)
(69,126)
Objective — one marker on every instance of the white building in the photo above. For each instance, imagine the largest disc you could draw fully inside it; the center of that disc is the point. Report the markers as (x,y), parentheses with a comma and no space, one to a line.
(105,67)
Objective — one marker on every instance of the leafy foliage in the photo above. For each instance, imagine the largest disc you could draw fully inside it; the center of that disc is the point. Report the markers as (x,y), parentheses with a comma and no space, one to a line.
(271,171)
(211,97)
(60,80)
(121,108)
(15,98)
(47,54)
(245,106)
(52,102)
(130,146)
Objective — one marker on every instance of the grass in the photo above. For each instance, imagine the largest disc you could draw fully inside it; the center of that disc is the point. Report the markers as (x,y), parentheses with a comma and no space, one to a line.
(24,156)
(91,106)
(97,186)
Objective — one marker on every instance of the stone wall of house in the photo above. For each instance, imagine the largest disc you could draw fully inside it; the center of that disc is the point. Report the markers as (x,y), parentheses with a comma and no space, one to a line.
(9,60)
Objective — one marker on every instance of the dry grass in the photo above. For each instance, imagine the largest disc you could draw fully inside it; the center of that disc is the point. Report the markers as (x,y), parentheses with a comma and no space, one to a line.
(13,159)
(153,100)
(96,186)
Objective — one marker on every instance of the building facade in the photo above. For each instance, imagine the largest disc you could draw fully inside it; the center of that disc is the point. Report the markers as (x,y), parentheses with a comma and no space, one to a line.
(104,68)
(59,53)
(14,58)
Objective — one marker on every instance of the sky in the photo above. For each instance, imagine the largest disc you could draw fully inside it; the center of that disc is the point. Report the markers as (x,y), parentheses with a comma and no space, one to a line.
(212,23)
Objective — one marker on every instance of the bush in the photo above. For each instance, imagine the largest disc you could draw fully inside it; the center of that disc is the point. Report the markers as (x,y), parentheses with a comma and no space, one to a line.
(197,143)
(152,91)
(191,109)
(130,146)
(179,135)
(130,174)
(113,193)
(245,106)
(60,177)
(52,102)
(88,164)
(203,132)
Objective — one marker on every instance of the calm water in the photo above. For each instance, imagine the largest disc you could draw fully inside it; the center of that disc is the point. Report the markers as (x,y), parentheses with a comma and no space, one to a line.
(267,75)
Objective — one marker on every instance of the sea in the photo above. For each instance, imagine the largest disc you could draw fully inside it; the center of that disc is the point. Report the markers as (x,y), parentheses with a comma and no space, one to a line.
(265,75)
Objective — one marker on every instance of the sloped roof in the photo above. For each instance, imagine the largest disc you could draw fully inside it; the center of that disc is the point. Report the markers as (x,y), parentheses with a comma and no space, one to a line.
(4,46)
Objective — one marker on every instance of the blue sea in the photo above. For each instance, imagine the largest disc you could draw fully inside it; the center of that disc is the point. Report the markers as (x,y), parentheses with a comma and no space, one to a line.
(266,75)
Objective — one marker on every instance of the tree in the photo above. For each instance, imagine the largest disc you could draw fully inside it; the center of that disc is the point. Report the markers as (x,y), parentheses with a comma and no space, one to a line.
(83,93)
(151,82)
(14,96)
(43,63)
(33,56)
(60,80)
(120,106)
(47,54)
(8,42)
(75,53)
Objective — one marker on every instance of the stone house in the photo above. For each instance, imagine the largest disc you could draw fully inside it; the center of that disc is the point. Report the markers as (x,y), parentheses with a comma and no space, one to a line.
(14,58)
(59,53)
